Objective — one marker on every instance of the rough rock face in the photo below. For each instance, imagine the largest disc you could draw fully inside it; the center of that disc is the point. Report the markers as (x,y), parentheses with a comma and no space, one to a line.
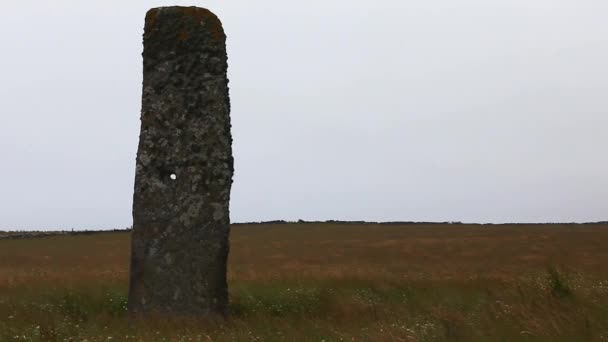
(184,167)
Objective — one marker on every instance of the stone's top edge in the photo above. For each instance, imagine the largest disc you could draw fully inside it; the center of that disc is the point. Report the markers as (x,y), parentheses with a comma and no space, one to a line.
(178,8)
(186,10)
(198,13)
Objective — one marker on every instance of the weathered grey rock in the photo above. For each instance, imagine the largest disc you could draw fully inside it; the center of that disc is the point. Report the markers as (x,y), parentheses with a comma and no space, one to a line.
(181,225)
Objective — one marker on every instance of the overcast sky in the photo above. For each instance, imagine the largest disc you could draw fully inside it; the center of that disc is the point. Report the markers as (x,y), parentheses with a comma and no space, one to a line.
(465,110)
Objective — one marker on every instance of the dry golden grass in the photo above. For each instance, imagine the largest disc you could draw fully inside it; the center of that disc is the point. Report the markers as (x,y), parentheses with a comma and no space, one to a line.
(330,282)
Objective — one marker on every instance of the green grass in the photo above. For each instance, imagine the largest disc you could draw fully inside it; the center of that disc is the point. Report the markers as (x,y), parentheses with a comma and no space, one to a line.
(330,311)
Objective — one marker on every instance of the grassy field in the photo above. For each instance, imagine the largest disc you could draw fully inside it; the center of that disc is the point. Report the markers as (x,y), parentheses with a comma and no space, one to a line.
(330,282)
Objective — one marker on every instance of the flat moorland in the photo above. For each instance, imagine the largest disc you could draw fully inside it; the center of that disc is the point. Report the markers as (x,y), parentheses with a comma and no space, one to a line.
(329,282)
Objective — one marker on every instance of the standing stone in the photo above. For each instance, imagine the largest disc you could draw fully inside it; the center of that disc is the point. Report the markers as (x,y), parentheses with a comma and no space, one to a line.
(184,167)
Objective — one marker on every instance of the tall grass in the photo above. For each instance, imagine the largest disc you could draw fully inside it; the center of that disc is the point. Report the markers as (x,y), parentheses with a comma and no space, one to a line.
(328,283)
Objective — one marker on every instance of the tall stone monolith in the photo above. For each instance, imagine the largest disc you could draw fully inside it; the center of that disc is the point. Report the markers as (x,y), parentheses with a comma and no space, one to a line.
(184,167)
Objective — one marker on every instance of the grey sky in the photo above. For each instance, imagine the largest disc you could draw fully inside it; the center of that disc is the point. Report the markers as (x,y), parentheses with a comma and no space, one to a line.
(470,110)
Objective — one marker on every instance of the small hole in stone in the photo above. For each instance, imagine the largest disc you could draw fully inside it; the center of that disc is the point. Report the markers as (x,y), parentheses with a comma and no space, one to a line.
(173,176)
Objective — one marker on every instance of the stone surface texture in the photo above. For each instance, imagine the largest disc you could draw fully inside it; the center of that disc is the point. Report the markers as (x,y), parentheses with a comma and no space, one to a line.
(184,167)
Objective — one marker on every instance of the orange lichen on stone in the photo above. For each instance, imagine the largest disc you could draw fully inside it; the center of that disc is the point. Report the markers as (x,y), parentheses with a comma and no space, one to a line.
(182,35)
(193,15)
(151,18)
(212,22)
